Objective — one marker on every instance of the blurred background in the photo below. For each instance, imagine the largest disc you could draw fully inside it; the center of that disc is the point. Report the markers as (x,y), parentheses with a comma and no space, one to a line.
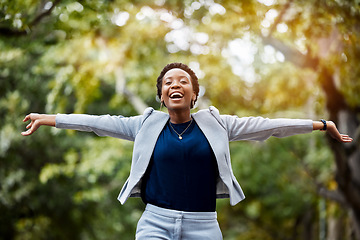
(270,58)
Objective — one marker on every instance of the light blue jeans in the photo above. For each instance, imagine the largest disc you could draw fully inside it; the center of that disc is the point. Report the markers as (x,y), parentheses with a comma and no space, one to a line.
(161,223)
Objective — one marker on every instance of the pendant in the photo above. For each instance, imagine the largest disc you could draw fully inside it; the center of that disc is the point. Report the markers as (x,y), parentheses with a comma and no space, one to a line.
(180,137)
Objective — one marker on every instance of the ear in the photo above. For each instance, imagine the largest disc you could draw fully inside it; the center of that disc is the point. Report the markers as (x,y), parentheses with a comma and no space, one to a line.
(161,99)
(194,96)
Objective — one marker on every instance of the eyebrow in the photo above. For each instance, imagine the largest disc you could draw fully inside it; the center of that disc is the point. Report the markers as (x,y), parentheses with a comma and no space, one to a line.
(181,76)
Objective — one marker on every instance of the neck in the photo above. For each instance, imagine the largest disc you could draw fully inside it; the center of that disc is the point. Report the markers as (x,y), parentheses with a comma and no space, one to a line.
(177,117)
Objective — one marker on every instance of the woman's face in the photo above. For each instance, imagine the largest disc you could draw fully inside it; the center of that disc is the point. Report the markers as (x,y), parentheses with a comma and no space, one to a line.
(177,91)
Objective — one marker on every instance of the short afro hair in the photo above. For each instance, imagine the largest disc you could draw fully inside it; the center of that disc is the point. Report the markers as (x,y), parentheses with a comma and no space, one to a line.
(186,68)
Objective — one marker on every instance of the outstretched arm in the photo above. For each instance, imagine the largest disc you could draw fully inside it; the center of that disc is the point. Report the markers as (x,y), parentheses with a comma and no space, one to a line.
(38,120)
(260,129)
(332,130)
(102,125)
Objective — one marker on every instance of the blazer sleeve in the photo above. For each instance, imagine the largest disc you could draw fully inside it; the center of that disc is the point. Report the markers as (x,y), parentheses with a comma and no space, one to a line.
(260,129)
(103,125)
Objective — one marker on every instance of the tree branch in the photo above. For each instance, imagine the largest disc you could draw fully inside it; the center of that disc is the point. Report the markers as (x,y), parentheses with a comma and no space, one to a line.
(320,188)
(280,17)
(332,195)
(121,88)
(11,32)
(43,14)
(291,54)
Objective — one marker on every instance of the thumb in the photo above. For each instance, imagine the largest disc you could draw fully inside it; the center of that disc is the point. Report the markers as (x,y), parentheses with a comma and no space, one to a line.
(32,127)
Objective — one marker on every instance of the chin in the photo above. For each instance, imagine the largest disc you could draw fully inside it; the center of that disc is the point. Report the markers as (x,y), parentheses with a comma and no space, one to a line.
(178,106)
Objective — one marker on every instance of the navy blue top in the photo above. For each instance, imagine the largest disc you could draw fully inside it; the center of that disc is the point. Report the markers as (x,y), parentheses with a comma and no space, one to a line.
(182,173)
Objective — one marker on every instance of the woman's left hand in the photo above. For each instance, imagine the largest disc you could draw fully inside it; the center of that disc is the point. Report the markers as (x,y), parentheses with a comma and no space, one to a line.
(334,133)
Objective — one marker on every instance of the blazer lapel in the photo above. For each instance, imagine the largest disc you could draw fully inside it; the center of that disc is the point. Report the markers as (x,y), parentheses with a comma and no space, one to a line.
(146,140)
(216,136)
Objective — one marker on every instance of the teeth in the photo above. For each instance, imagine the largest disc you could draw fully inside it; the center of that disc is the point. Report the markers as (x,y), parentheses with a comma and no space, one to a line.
(176,95)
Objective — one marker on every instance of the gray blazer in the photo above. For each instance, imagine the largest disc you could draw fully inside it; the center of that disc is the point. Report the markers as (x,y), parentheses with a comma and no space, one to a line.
(218,129)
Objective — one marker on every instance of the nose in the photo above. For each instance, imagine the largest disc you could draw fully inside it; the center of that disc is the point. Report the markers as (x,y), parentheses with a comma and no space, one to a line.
(175,84)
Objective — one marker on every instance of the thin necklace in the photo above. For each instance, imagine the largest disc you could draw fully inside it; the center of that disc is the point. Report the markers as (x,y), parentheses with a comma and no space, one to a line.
(180,137)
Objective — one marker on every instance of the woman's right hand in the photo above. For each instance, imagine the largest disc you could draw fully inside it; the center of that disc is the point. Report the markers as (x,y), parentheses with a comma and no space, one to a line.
(36,121)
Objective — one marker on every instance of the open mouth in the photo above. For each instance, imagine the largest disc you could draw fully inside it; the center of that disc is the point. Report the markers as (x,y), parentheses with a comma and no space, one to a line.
(176,95)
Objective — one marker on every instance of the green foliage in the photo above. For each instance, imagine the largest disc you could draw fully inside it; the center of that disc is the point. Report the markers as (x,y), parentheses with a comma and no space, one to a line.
(87,56)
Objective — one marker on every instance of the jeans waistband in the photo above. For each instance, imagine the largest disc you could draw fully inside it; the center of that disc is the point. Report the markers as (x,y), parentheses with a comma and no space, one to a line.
(181,214)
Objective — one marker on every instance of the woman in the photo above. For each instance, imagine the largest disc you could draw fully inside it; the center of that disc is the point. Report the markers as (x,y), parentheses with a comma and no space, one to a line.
(181,161)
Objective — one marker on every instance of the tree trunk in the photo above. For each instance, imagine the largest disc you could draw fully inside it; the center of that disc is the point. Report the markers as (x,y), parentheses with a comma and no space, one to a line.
(121,88)
(346,155)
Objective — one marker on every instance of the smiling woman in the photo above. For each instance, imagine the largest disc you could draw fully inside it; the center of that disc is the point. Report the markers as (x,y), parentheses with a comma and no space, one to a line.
(186,72)
(178,95)
(181,161)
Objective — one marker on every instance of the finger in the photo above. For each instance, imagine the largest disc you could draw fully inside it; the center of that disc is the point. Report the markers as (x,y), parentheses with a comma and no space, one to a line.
(27,117)
(31,130)
(346,138)
(32,126)
(26,133)
(349,139)
(29,125)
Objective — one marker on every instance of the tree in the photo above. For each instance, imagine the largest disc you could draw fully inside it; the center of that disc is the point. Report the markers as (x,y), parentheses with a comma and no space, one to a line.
(341,106)
(278,59)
